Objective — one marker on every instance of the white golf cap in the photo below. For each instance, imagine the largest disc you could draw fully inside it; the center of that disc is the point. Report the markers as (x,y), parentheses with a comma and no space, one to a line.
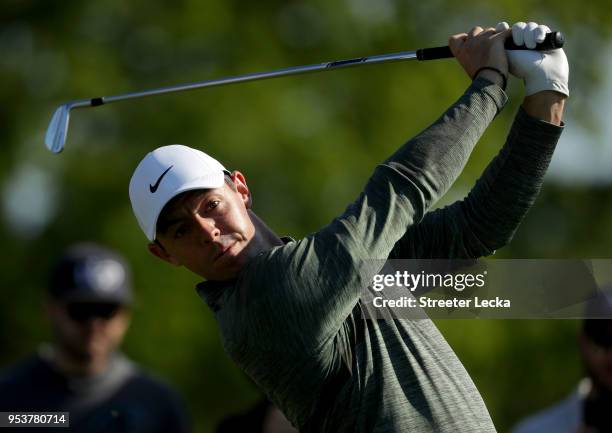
(165,173)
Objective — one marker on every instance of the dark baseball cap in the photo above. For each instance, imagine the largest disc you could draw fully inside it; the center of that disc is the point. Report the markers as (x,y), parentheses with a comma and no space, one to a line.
(91,273)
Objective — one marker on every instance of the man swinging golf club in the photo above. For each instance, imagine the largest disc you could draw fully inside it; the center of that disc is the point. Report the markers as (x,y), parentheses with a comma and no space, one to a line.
(289,311)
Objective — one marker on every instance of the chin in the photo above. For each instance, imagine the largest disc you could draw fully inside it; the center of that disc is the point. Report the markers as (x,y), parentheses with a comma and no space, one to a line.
(227,272)
(97,349)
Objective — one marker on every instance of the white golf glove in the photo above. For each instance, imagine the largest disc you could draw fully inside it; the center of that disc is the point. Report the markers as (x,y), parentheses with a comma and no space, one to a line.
(540,70)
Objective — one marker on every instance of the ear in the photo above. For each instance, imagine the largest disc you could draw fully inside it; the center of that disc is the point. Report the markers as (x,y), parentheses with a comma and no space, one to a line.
(242,188)
(160,252)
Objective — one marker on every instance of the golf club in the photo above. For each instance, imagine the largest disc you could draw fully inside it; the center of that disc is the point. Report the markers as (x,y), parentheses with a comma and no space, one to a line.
(55,137)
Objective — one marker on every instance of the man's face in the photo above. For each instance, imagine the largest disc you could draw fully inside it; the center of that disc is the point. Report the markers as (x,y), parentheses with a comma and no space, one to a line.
(89,332)
(208,231)
(598,357)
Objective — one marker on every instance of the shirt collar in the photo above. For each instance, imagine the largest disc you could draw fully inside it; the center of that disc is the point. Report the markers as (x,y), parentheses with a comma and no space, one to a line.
(211,291)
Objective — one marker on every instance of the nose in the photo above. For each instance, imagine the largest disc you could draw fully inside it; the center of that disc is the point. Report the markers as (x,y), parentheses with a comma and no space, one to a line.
(95,324)
(208,229)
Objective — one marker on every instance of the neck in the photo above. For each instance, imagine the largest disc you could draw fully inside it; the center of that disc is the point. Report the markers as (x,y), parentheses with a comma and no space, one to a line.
(264,238)
(74,365)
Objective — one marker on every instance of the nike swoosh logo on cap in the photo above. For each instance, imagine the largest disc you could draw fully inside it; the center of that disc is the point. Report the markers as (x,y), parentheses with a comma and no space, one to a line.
(153,188)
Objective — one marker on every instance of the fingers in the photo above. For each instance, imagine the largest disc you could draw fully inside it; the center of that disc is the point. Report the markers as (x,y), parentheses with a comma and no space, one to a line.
(529,37)
(456,41)
(529,34)
(518,33)
(459,37)
(488,31)
(475,31)
(503,30)
(540,33)
(502,26)
(480,47)
(479,31)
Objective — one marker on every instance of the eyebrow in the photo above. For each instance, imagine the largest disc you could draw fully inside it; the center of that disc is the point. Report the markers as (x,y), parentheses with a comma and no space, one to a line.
(169,223)
(165,223)
(167,220)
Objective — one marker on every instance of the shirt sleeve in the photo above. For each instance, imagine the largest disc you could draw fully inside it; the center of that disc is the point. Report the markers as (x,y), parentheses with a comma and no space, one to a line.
(313,284)
(488,217)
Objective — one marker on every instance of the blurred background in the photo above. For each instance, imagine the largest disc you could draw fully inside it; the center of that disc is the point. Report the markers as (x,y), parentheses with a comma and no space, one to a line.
(306,145)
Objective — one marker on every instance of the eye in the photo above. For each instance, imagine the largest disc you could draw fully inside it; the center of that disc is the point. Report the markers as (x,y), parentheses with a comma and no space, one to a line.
(180,231)
(212,204)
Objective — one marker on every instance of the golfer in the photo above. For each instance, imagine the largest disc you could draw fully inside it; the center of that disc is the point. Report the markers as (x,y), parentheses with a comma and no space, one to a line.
(290,312)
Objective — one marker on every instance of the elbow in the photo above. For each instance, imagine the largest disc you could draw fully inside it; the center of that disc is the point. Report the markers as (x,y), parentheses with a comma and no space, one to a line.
(499,243)
(493,240)
(486,236)
(489,229)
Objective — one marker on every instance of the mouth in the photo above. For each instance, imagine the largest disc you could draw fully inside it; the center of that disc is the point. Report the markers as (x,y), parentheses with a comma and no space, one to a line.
(223,251)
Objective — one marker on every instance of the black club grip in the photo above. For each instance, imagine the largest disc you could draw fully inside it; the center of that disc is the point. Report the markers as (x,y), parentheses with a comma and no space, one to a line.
(552,41)
(434,53)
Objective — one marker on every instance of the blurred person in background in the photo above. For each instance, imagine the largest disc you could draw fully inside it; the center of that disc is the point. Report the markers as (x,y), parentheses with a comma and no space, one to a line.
(589,408)
(81,371)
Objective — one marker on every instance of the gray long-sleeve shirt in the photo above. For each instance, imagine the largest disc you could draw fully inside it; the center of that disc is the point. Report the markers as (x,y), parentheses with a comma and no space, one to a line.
(293,317)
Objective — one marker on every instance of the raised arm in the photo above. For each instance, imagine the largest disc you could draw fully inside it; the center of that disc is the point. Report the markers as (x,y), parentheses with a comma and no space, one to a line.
(323,275)
(487,219)
(410,181)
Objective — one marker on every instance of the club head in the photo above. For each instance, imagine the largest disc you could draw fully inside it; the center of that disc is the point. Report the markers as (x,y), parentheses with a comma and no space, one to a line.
(55,138)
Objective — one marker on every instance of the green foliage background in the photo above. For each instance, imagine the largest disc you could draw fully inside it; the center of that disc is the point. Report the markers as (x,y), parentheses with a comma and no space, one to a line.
(306,144)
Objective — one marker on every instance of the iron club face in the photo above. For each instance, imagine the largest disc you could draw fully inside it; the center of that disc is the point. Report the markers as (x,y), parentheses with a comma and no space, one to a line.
(55,138)
(57,131)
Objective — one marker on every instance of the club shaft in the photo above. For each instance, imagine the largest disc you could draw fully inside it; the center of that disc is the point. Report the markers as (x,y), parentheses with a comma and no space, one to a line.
(383,58)
(553,40)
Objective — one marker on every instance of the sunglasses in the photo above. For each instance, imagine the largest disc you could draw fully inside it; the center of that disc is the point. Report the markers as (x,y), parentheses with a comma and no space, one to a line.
(86,311)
